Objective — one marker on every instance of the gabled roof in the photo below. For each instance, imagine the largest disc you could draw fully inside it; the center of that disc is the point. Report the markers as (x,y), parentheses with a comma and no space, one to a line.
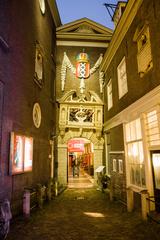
(84,30)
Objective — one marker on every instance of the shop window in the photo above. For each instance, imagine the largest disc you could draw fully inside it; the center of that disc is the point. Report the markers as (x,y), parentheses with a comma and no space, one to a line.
(144,55)
(38,75)
(135,153)
(109,94)
(122,78)
(152,128)
(21,153)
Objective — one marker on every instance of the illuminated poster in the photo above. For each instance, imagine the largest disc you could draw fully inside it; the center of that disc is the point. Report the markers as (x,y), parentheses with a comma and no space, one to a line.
(76,145)
(28,152)
(21,151)
(16,153)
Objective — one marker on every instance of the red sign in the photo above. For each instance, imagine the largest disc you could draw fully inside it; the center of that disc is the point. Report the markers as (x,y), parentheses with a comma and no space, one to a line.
(76,146)
(82,70)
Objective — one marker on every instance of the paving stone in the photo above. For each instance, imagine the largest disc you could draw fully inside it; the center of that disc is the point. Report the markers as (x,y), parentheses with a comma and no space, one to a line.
(79,214)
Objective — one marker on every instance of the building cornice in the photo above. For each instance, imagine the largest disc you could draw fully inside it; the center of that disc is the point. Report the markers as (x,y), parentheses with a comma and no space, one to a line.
(82,43)
(120,31)
(55,13)
(90,37)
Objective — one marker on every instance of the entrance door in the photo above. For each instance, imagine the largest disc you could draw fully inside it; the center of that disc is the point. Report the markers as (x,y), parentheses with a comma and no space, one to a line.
(156,177)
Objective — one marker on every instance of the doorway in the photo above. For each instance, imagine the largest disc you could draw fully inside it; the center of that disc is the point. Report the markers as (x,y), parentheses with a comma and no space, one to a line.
(80,169)
(155,156)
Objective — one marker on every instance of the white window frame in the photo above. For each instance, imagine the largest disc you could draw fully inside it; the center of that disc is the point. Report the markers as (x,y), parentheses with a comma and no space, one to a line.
(114,165)
(120,165)
(135,153)
(109,94)
(122,78)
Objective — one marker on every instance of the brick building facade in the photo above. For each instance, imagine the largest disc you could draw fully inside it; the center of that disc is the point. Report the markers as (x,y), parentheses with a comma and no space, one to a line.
(132,104)
(27,101)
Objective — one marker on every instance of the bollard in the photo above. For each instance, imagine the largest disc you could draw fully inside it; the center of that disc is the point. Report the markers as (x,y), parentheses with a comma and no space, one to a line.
(111,189)
(56,188)
(26,203)
(39,195)
(130,202)
(144,204)
(49,190)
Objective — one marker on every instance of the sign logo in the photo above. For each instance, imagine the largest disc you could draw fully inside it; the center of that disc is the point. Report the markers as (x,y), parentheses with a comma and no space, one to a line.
(82,66)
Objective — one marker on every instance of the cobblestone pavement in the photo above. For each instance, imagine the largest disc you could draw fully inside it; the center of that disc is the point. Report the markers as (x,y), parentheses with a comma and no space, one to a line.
(79,214)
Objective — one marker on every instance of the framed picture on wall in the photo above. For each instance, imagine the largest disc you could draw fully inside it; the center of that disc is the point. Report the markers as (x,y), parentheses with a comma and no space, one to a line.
(21,153)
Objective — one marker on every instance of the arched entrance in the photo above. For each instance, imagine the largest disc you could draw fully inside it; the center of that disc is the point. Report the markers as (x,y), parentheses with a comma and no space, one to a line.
(80,165)
(62,148)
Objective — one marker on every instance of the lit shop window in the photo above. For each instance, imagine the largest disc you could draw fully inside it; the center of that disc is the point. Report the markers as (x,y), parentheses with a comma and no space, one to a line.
(38,76)
(109,94)
(152,128)
(122,78)
(135,153)
(21,153)
(144,55)
(156,169)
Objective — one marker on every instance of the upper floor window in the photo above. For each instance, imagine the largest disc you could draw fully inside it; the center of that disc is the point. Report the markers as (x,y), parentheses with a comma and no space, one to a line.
(122,78)
(144,55)
(109,94)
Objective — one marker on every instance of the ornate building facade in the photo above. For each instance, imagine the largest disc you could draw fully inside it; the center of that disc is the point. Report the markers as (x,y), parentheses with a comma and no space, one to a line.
(80,48)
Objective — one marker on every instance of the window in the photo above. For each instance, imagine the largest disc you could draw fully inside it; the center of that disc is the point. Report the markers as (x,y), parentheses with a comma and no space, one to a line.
(21,153)
(122,78)
(120,165)
(114,165)
(152,128)
(109,94)
(38,75)
(135,155)
(144,55)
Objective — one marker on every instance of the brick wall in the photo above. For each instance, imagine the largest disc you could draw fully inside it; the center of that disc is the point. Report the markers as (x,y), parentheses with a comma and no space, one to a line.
(149,12)
(22,28)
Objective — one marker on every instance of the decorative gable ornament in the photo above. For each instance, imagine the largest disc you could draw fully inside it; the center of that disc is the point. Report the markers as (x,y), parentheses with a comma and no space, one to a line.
(82,66)
(82,69)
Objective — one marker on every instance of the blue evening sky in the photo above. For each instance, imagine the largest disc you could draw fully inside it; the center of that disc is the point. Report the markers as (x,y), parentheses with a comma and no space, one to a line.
(71,10)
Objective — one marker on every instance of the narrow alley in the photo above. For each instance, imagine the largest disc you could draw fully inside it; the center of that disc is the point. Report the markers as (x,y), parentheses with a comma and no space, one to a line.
(83,214)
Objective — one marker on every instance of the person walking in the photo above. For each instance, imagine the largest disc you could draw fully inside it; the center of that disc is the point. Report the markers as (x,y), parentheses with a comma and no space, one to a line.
(73,166)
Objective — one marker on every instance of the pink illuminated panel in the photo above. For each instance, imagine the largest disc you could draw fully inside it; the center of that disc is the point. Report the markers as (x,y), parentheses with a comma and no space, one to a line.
(21,153)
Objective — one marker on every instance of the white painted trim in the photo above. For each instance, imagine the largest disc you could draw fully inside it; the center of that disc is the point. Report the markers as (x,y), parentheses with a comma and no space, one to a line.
(144,104)
(116,152)
(80,44)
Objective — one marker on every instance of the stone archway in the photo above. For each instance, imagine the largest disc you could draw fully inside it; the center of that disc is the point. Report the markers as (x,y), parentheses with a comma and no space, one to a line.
(97,141)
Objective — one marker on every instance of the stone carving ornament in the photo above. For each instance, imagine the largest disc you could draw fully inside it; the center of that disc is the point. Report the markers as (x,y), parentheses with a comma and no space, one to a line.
(66,63)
